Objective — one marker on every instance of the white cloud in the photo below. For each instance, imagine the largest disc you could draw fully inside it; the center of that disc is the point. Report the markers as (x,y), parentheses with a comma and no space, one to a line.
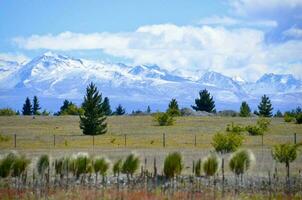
(229,21)
(235,51)
(18,57)
(268,7)
(293,32)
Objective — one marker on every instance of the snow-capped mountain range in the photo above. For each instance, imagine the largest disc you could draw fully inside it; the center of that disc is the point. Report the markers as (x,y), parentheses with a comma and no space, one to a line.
(54,77)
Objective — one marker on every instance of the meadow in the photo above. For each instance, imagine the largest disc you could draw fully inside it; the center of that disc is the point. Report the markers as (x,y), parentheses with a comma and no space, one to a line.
(191,136)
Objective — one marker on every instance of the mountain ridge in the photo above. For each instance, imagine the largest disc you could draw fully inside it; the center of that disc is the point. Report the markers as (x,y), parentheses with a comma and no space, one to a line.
(57,76)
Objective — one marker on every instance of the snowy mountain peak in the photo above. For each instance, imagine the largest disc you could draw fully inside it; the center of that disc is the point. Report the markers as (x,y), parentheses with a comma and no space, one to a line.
(52,75)
(238,79)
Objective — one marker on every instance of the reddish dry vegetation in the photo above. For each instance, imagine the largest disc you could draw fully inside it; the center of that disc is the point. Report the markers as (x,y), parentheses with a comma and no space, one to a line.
(81,193)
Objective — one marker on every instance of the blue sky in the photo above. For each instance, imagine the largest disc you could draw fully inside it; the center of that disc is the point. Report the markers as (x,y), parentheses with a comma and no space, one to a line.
(236,37)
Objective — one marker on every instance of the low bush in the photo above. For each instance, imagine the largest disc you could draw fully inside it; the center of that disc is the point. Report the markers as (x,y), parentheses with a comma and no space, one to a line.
(233,128)
(4,138)
(173,165)
(288,118)
(263,123)
(299,118)
(227,142)
(7,112)
(164,119)
(254,130)
(101,165)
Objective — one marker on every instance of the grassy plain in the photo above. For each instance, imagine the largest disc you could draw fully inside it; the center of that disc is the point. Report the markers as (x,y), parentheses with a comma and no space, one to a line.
(36,136)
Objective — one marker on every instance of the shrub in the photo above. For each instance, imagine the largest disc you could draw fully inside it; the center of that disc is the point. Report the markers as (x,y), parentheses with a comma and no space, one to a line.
(254,130)
(234,128)
(263,123)
(130,165)
(285,153)
(173,165)
(227,142)
(117,167)
(299,118)
(6,164)
(288,118)
(210,165)
(4,138)
(7,112)
(164,119)
(241,161)
(43,164)
(197,169)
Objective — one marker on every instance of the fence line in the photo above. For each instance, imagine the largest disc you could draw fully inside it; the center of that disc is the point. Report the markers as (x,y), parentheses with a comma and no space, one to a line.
(142,140)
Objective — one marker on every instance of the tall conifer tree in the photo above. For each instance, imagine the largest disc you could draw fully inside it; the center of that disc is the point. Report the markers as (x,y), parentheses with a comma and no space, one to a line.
(205,102)
(93,121)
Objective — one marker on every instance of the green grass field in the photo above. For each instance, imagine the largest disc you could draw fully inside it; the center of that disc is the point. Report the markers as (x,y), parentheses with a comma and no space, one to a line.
(36,136)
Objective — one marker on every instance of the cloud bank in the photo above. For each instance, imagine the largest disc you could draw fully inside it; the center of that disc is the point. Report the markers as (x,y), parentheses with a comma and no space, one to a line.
(235,52)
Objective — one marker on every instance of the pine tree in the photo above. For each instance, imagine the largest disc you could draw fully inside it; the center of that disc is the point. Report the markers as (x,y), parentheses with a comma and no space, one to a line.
(106,107)
(245,110)
(65,105)
(120,110)
(93,121)
(148,109)
(36,106)
(278,114)
(173,108)
(265,107)
(205,102)
(27,107)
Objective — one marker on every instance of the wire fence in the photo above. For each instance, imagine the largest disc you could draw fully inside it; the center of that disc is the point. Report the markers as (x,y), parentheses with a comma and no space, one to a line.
(163,140)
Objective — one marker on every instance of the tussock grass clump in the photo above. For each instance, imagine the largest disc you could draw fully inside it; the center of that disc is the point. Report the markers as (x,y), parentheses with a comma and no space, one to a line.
(43,164)
(197,169)
(130,165)
(82,164)
(241,161)
(6,164)
(173,165)
(117,167)
(20,165)
(210,165)
(61,165)
(101,165)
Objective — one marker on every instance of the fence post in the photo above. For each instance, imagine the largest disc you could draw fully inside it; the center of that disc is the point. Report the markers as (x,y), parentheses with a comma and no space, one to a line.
(15,140)
(54,140)
(295,138)
(195,140)
(125,139)
(262,141)
(164,140)
(93,141)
